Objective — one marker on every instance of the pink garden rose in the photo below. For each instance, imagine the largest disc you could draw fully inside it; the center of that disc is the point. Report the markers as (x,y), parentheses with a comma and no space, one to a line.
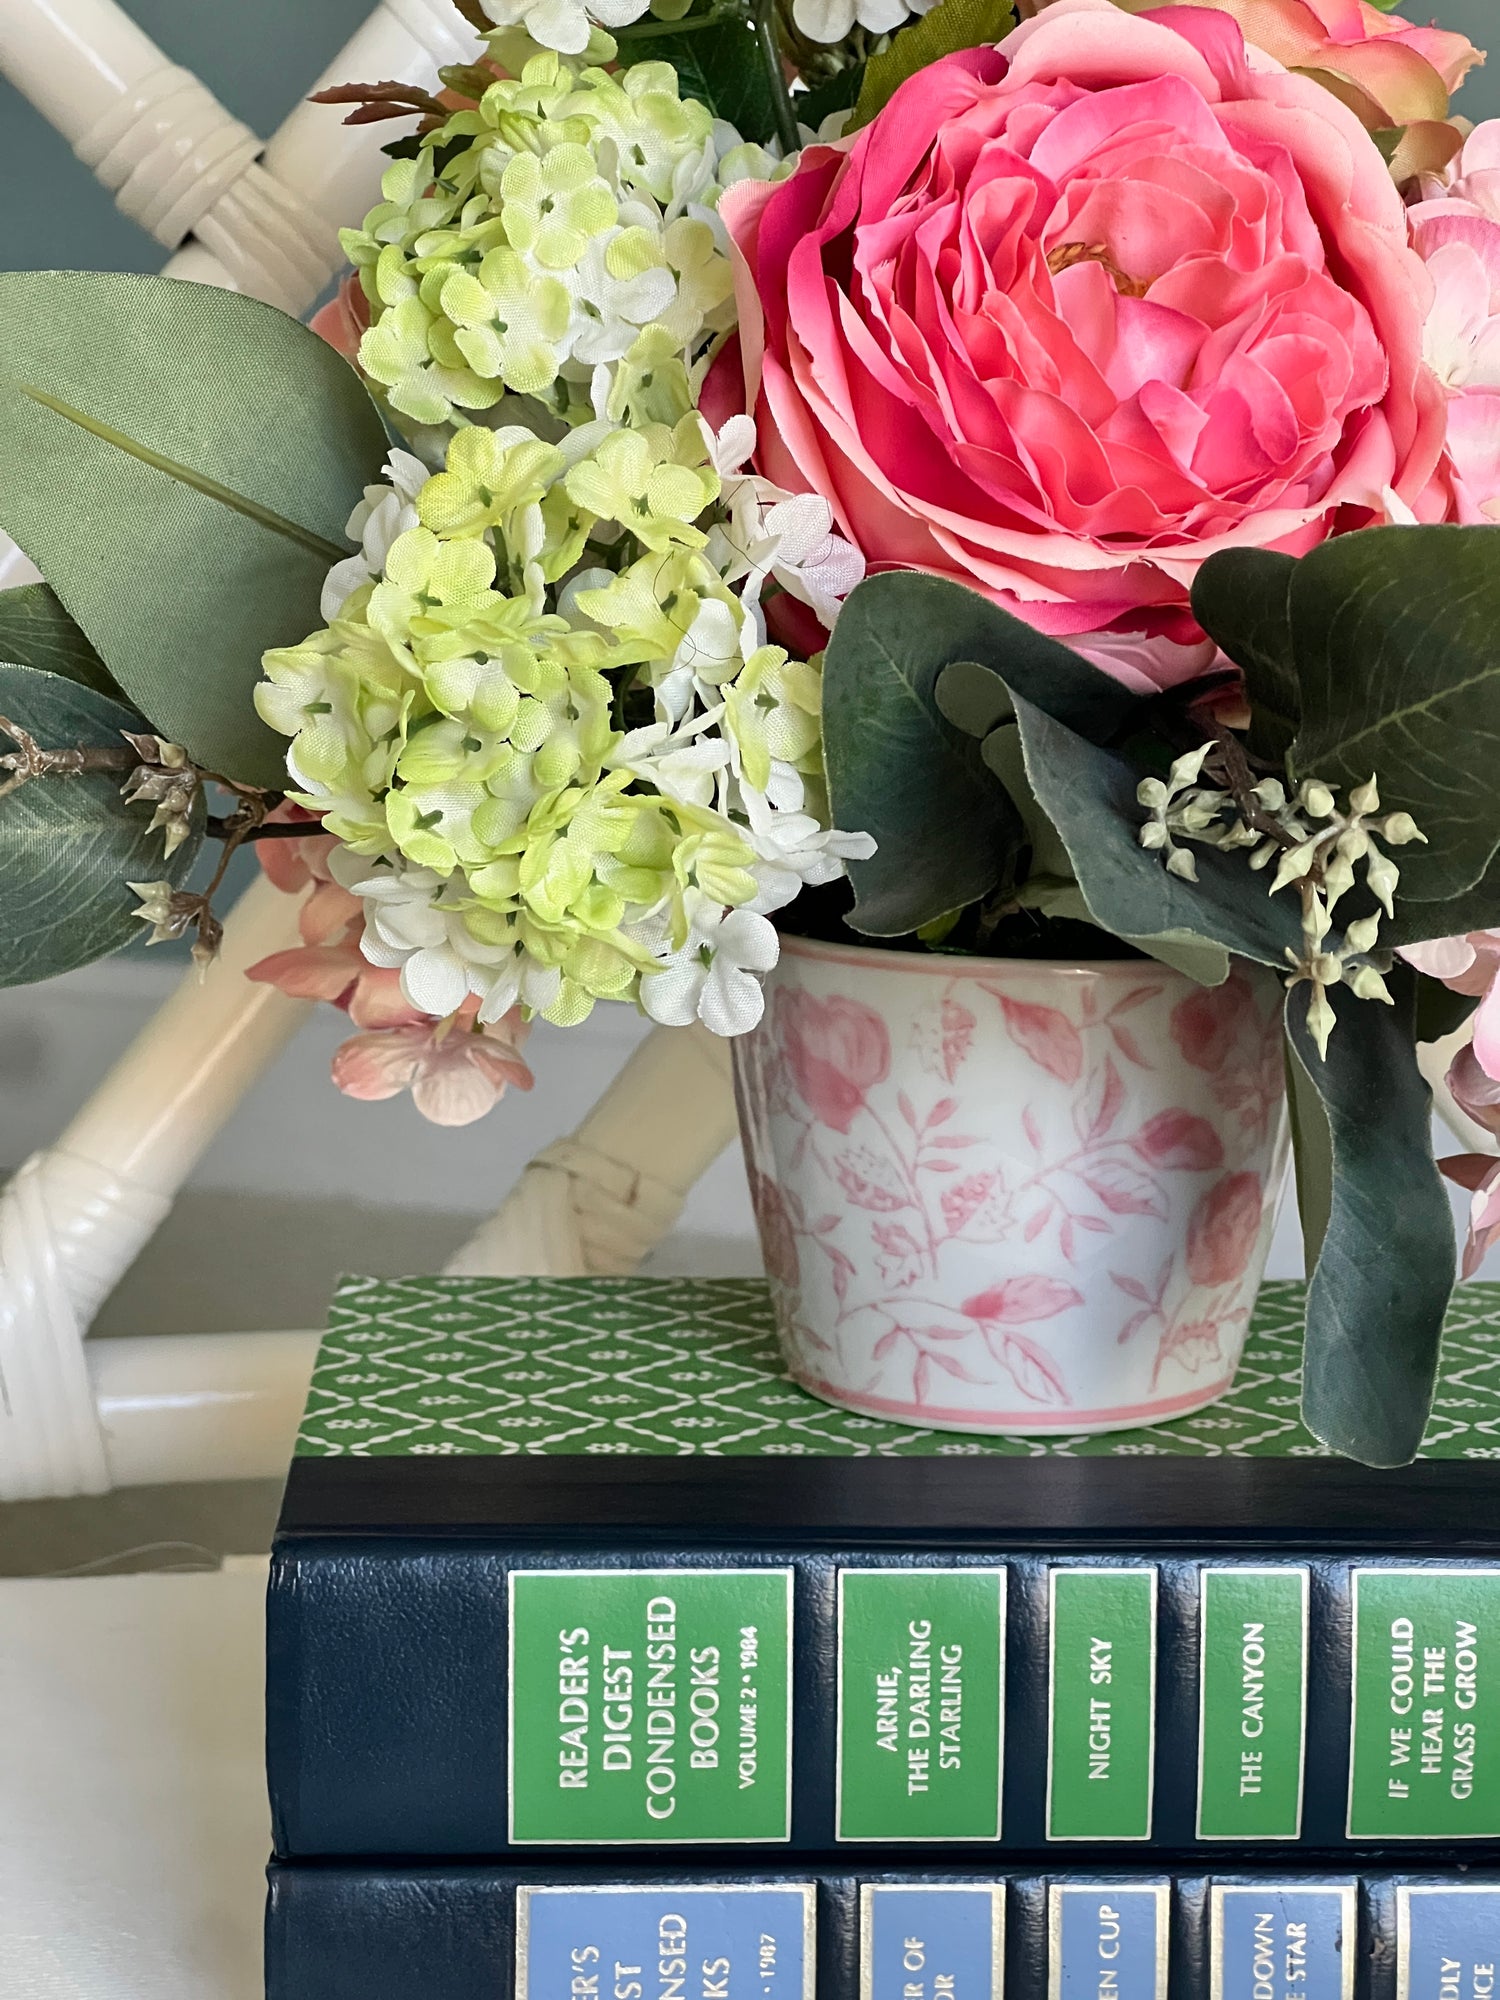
(837,1050)
(1389,71)
(1457,233)
(1070,315)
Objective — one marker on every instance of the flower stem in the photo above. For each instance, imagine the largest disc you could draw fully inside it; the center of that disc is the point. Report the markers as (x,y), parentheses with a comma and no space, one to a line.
(764,21)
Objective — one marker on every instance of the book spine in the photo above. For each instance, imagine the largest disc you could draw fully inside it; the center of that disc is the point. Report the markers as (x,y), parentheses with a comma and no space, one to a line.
(342,1933)
(424,1700)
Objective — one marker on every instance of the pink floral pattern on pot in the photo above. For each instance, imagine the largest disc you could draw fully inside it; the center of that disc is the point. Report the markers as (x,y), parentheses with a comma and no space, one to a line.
(1006,1195)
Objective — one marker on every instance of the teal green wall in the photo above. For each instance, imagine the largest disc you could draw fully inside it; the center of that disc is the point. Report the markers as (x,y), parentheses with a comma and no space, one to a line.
(258,55)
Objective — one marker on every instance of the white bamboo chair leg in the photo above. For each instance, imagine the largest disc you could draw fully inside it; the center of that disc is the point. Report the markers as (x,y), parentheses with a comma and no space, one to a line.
(599,1202)
(227,1405)
(75,1217)
(261,221)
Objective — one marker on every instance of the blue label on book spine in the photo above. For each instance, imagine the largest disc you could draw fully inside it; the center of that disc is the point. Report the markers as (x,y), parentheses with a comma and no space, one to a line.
(943,1942)
(1448,1942)
(1108,1941)
(1273,1941)
(714,1941)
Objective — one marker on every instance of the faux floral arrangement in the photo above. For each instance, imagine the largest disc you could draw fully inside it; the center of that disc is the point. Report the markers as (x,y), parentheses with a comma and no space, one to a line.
(888,468)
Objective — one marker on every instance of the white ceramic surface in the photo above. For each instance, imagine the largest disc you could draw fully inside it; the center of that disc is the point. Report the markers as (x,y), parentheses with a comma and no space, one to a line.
(1008,1195)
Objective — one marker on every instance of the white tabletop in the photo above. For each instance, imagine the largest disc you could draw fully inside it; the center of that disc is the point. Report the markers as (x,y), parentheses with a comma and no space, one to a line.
(133,1825)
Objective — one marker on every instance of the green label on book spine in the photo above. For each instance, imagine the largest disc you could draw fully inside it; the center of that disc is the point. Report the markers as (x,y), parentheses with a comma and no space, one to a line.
(1425,1736)
(650,1705)
(921,1697)
(1102,1704)
(1252,1668)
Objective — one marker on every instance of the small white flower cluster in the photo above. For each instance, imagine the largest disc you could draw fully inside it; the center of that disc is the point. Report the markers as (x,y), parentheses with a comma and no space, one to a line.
(832,20)
(1316,845)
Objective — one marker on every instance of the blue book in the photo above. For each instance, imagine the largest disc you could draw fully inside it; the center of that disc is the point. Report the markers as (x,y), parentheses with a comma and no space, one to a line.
(571,1565)
(336,1931)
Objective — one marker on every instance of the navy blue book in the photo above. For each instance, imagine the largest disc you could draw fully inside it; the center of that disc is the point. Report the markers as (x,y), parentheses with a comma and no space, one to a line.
(339,1932)
(570,1564)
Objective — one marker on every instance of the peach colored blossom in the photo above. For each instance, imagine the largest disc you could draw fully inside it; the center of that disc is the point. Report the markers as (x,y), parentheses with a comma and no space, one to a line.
(456,1069)
(1070,315)
(342,322)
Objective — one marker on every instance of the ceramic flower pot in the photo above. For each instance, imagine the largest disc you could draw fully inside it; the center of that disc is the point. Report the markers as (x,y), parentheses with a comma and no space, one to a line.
(1011,1195)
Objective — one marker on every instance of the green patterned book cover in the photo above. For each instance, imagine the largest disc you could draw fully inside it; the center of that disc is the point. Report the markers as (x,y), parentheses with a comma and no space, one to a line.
(685,1367)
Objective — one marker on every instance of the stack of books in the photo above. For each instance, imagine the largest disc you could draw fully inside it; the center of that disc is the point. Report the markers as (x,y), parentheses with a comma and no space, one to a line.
(607,1664)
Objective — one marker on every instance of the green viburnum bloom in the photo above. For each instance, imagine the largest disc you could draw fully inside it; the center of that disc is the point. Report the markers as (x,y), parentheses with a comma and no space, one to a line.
(652,126)
(397,352)
(655,482)
(431,590)
(345,701)
(489,475)
(652,384)
(773,709)
(540,231)
(508,322)
(714,858)
(508,732)
(554,206)
(666,608)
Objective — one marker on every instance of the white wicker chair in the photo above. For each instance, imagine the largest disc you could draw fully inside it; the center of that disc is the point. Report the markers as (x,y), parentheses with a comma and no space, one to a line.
(77,1418)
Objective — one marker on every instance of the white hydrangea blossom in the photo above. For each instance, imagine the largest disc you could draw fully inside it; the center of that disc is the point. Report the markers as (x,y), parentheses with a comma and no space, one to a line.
(832,20)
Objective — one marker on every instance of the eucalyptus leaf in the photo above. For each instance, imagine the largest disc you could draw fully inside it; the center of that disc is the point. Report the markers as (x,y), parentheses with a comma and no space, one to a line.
(944,29)
(1242,599)
(180,462)
(1003,754)
(946,833)
(70,846)
(1394,635)
(1312,1156)
(1385,1271)
(973,698)
(1089,794)
(35,631)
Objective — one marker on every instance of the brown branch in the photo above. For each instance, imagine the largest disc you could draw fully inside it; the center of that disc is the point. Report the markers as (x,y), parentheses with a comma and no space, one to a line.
(1234,767)
(29,760)
(376,101)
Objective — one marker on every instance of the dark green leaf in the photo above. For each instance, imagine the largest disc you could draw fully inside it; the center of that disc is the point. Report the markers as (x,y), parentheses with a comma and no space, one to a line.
(1312,1156)
(1380,1289)
(1440,1011)
(946,831)
(1241,598)
(973,698)
(721,66)
(1395,635)
(1089,794)
(35,631)
(974,636)
(837,94)
(179,462)
(1003,754)
(952,25)
(69,846)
